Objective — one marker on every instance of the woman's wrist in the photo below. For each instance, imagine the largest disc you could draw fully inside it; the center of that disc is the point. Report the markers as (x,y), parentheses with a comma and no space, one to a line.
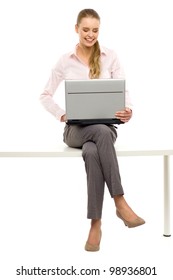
(63,118)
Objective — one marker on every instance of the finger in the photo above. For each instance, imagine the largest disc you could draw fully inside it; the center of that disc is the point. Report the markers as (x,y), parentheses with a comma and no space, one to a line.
(119,114)
(128,110)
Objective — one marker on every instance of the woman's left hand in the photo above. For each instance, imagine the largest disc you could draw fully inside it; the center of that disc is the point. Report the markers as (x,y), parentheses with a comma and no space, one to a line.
(124,115)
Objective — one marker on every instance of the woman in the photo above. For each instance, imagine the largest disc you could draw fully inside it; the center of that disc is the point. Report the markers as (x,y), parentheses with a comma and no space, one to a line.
(90,61)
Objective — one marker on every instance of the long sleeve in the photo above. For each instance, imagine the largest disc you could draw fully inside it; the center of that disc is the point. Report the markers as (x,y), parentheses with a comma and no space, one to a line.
(118,73)
(46,97)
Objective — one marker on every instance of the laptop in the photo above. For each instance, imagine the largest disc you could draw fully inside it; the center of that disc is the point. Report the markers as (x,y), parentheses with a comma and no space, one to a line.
(94,101)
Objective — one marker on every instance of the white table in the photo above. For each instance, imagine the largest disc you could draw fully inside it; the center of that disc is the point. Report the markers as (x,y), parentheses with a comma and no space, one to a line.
(62,150)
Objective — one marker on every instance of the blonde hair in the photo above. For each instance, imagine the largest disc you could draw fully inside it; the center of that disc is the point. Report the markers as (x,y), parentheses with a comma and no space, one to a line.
(94,61)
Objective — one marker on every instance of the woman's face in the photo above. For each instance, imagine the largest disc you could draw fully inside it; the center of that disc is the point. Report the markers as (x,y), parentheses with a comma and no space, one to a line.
(88,31)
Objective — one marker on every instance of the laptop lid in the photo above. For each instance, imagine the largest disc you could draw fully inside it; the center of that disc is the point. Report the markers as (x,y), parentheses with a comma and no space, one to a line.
(94,101)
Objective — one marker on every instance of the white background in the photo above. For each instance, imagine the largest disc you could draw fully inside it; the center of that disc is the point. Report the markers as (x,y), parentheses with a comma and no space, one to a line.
(43,201)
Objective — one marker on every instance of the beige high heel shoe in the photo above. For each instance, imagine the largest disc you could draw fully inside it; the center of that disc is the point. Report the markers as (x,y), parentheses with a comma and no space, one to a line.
(130,224)
(91,247)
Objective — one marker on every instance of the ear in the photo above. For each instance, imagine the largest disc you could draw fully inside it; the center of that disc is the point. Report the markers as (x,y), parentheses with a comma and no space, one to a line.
(76,28)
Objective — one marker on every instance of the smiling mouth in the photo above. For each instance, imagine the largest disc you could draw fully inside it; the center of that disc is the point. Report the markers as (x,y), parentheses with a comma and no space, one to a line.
(89,40)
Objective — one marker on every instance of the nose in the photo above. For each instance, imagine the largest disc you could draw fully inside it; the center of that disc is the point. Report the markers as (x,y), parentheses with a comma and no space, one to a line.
(90,33)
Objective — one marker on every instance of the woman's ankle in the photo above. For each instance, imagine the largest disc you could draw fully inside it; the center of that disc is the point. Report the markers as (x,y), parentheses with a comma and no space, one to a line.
(96,223)
(119,201)
(123,208)
(94,232)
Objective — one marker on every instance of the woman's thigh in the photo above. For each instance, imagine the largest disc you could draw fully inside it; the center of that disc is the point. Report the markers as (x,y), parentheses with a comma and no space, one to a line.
(75,136)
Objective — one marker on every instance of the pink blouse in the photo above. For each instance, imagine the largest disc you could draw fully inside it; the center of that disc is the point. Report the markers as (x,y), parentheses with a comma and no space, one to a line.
(69,66)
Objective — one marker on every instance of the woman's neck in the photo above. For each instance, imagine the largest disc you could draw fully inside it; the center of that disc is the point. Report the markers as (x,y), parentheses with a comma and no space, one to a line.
(84,53)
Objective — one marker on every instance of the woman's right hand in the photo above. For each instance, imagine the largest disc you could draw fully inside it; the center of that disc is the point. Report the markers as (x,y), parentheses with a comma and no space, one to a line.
(63,118)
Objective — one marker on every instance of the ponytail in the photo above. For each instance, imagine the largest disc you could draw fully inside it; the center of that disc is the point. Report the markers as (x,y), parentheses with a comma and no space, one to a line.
(94,62)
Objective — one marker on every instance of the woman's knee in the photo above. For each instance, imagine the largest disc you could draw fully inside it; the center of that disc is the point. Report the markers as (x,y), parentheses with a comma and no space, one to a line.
(89,150)
(104,131)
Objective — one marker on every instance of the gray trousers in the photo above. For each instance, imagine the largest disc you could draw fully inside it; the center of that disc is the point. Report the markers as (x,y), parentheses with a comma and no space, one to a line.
(98,151)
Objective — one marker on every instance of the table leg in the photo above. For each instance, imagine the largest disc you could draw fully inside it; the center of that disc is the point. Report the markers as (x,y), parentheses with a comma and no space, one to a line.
(167,232)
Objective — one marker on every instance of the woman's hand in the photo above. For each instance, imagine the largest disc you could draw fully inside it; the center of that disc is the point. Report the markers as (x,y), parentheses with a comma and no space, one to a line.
(125,115)
(63,118)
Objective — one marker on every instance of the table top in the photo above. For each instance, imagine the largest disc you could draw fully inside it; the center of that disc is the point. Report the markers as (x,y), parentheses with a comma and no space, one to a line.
(61,150)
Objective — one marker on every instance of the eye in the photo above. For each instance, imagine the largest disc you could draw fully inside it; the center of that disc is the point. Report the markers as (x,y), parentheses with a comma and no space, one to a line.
(85,29)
